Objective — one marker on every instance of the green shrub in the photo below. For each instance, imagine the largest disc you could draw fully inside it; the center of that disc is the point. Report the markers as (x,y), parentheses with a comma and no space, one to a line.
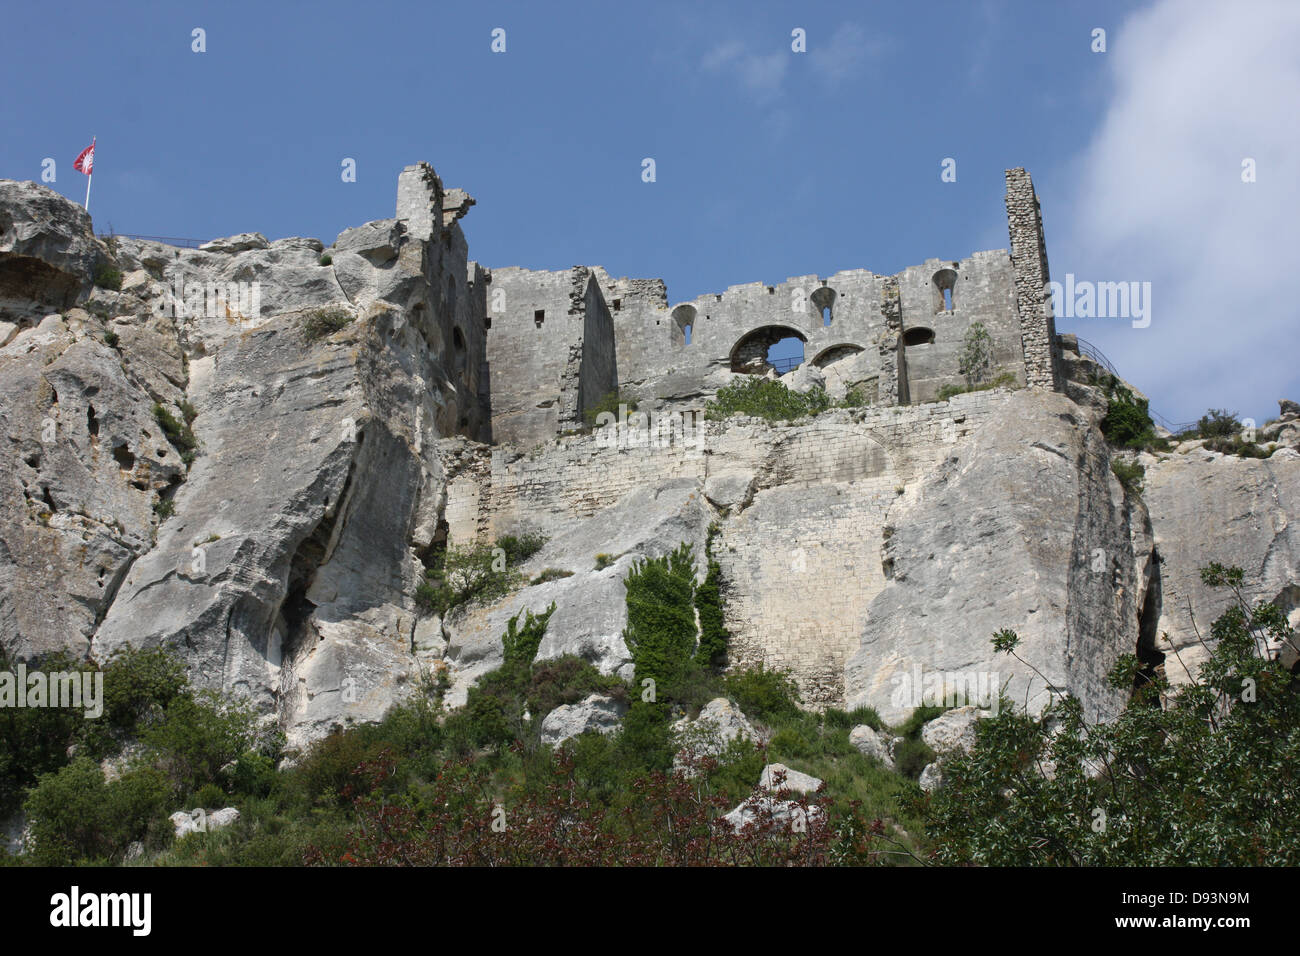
(111,339)
(714,636)
(326,259)
(1198,775)
(519,548)
(464,574)
(847,720)
(660,630)
(604,560)
(765,398)
(857,397)
(35,740)
(164,508)
(76,816)
(179,433)
(976,355)
(911,755)
(1127,422)
(200,733)
(1005,380)
(608,403)
(106,277)
(763,692)
(1130,475)
(210,797)
(319,323)
(1218,423)
(551,574)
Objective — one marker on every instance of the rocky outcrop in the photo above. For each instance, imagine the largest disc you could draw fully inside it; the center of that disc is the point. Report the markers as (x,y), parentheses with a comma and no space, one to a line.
(871,743)
(1022,526)
(598,712)
(1208,507)
(48,252)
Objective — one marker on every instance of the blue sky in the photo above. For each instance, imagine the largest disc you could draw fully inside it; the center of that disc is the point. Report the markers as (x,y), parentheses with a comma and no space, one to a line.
(769,163)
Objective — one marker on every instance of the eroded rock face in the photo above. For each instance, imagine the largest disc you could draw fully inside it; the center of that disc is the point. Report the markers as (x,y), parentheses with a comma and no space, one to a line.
(283,559)
(1208,507)
(1006,533)
(597,712)
(48,252)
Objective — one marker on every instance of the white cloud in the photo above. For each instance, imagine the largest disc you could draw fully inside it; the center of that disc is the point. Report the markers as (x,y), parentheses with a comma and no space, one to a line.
(843,56)
(1158,196)
(760,73)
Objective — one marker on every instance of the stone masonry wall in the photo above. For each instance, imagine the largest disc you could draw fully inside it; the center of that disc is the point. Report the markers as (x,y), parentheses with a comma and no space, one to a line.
(1029,258)
(803,509)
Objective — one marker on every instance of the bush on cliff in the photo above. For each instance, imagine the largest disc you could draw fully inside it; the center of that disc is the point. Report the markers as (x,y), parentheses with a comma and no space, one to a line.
(1198,775)
(765,398)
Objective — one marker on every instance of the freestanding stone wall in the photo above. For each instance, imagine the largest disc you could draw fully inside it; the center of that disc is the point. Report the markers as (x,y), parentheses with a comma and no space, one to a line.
(1029,258)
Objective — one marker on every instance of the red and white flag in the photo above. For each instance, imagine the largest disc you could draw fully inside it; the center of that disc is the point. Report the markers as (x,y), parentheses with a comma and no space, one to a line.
(86,161)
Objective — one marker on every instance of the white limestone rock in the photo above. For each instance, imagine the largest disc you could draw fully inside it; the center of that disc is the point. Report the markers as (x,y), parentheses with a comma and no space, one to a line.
(953,729)
(597,712)
(869,743)
(793,780)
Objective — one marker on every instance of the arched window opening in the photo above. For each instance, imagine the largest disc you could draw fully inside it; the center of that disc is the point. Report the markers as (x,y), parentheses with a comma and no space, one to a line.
(683,324)
(823,301)
(835,354)
(770,347)
(945,282)
(918,336)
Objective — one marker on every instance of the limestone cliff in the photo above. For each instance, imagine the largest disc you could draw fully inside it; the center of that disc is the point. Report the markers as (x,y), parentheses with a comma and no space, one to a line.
(249,451)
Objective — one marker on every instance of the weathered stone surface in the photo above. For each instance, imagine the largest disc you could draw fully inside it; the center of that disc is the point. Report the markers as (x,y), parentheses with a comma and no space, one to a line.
(590,607)
(718,723)
(597,712)
(240,243)
(48,251)
(1048,506)
(953,729)
(793,779)
(199,821)
(931,778)
(869,743)
(1241,512)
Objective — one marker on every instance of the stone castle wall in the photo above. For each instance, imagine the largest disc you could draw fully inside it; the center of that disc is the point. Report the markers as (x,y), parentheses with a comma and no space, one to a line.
(803,510)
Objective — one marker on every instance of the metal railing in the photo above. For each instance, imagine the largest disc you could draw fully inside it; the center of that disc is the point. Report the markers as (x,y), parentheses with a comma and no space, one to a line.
(1091,351)
(785,364)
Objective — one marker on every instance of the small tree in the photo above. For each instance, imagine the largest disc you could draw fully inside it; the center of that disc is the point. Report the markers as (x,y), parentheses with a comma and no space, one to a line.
(1200,775)
(976,354)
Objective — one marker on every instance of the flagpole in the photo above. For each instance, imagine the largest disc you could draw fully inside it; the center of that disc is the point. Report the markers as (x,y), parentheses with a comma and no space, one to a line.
(91,176)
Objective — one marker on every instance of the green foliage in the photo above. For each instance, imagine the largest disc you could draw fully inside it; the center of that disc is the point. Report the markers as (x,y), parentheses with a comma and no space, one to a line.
(604,560)
(1218,423)
(77,816)
(200,733)
(714,636)
(608,403)
(976,354)
(176,431)
(764,693)
(1005,380)
(464,574)
(857,397)
(519,548)
(847,720)
(106,277)
(1198,775)
(1127,423)
(551,574)
(139,685)
(319,323)
(660,630)
(1130,475)
(164,508)
(326,259)
(765,398)
(35,740)
(520,644)
(111,339)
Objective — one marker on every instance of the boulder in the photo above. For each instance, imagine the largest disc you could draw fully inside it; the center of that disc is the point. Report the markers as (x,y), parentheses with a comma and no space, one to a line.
(240,243)
(200,821)
(718,723)
(792,780)
(953,729)
(597,712)
(869,743)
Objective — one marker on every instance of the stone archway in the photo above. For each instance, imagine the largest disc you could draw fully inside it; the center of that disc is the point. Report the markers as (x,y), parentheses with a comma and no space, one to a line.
(749,354)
